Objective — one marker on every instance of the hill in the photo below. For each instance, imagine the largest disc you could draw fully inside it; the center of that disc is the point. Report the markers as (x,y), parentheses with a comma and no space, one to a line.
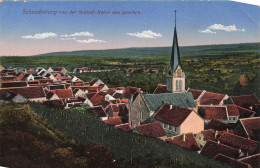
(129,149)
(28,140)
(162,51)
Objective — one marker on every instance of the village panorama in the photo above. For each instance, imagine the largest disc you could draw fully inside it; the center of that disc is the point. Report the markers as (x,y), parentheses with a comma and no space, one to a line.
(216,126)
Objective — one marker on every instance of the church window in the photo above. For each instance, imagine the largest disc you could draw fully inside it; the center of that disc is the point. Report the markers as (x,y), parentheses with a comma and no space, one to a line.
(177,85)
(180,84)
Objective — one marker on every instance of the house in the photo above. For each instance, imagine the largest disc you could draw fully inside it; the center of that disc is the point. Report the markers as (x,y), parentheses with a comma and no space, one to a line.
(245,101)
(96,99)
(11,96)
(61,70)
(13,84)
(78,92)
(50,70)
(204,136)
(253,161)
(131,92)
(99,112)
(154,130)
(177,120)
(113,121)
(209,98)
(210,112)
(145,105)
(247,146)
(212,149)
(217,125)
(186,141)
(63,93)
(85,100)
(30,93)
(55,87)
(125,127)
(96,82)
(27,77)
(233,113)
(231,161)
(161,89)
(245,113)
(248,128)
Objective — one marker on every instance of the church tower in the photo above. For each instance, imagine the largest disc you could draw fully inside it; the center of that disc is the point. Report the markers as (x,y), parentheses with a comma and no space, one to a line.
(175,75)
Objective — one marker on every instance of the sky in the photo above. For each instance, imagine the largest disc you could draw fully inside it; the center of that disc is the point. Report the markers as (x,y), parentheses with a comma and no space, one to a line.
(24,32)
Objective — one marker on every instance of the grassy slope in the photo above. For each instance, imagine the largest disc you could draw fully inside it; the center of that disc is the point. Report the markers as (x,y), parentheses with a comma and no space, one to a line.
(144,151)
(28,140)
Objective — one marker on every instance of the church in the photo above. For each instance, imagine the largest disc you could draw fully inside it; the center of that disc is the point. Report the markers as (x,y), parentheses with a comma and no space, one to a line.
(173,99)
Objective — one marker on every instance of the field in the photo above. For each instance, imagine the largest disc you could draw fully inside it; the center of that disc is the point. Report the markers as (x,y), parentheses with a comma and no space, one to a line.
(215,68)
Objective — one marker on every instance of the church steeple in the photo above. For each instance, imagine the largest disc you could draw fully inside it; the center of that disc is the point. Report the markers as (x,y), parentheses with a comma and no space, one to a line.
(175,56)
(176,76)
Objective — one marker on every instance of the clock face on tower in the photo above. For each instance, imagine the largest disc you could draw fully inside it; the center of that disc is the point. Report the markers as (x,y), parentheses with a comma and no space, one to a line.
(178,72)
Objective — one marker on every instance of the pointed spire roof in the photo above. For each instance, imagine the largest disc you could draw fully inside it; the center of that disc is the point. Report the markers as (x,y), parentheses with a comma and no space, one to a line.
(175,56)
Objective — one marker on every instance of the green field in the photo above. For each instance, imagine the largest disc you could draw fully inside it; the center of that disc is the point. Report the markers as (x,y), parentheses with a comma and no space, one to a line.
(214,68)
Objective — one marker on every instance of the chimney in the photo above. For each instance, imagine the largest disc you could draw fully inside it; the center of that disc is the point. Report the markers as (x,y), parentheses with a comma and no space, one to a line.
(170,107)
(216,133)
(227,129)
(218,142)
(183,137)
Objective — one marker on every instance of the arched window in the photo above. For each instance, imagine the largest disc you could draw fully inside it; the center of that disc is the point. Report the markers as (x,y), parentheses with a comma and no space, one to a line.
(177,85)
(180,85)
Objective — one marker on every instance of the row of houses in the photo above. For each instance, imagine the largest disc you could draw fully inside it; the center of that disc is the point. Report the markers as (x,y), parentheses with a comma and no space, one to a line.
(209,123)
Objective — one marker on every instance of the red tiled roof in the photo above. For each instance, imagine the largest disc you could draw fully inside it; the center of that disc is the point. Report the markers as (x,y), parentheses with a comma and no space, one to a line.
(125,127)
(245,101)
(96,99)
(195,93)
(93,81)
(90,95)
(154,130)
(131,91)
(99,111)
(217,125)
(211,149)
(253,161)
(117,95)
(230,161)
(174,116)
(63,93)
(113,121)
(14,84)
(105,103)
(125,101)
(239,142)
(189,142)
(245,113)
(232,110)
(213,112)
(161,89)
(225,131)
(209,134)
(209,98)
(111,91)
(59,68)
(250,125)
(27,92)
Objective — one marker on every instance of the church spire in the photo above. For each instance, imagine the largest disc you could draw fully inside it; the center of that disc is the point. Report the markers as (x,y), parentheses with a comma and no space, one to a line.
(175,55)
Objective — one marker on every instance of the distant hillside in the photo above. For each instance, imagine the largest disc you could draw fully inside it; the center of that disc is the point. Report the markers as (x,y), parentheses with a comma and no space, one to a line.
(163,51)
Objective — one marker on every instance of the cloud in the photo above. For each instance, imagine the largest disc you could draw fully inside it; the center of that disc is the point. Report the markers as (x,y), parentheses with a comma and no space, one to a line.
(148,34)
(40,36)
(221,27)
(78,34)
(90,41)
(207,31)
(68,38)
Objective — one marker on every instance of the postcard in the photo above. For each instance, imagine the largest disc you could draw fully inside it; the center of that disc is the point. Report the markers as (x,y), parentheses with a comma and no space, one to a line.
(129,84)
